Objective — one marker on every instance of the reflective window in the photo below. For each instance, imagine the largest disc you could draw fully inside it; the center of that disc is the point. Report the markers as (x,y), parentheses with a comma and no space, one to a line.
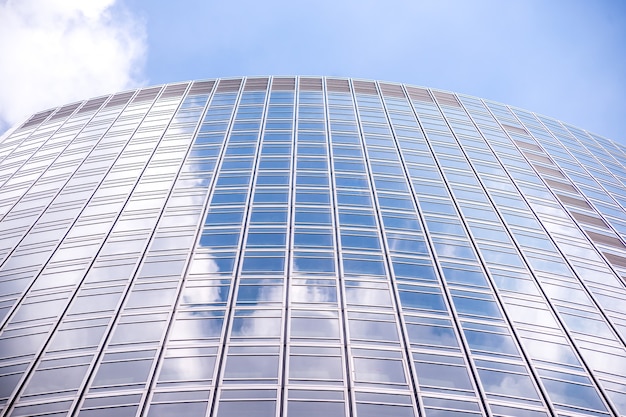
(115,373)
(256,326)
(314,409)
(315,367)
(251,367)
(49,380)
(246,408)
(379,370)
(268,246)
(376,410)
(373,330)
(319,327)
(441,375)
(421,300)
(490,342)
(187,369)
(178,409)
(507,383)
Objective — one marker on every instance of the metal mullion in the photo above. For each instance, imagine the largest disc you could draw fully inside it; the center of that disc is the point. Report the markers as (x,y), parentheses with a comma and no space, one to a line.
(485,400)
(282,398)
(33,154)
(16,148)
(453,315)
(61,188)
(620,163)
(385,252)
(565,334)
(38,357)
(29,286)
(483,265)
(591,142)
(348,387)
(464,349)
(578,162)
(582,194)
(576,276)
(205,209)
(240,251)
(97,359)
(151,380)
(12,147)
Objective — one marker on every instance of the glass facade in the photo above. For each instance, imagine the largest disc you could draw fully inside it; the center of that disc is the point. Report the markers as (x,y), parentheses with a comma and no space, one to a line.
(302,246)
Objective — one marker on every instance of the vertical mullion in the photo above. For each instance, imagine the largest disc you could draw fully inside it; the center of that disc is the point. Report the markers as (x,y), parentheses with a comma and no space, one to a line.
(350,399)
(567,333)
(79,399)
(464,350)
(289,257)
(151,383)
(403,347)
(543,395)
(240,251)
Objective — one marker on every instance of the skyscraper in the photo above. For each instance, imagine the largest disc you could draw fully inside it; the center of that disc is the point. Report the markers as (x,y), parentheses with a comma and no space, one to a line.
(305,246)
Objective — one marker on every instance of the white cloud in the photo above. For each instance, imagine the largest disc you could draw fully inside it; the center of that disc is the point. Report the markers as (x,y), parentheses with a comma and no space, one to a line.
(53,52)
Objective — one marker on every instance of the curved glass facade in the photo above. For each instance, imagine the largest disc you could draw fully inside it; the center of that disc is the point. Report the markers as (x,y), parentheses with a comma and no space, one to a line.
(302,246)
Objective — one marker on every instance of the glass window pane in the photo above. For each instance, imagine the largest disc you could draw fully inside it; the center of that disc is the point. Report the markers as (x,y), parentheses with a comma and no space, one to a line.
(477,307)
(114,373)
(125,411)
(373,330)
(259,293)
(315,367)
(440,375)
(256,326)
(422,300)
(138,332)
(315,327)
(75,338)
(315,409)
(507,383)
(263,264)
(368,296)
(490,342)
(244,366)
(432,335)
(246,408)
(573,394)
(205,326)
(379,370)
(58,379)
(197,409)
(378,410)
(187,369)
(321,263)
(313,294)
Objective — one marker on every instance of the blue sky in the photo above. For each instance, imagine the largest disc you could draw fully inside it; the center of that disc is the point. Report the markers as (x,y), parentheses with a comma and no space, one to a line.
(565,59)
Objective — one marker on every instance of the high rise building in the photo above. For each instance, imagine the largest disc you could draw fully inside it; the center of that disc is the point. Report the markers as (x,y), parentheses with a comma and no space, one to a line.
(302,246)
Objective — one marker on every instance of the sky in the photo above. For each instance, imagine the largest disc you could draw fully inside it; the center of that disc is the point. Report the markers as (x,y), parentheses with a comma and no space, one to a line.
(562,58)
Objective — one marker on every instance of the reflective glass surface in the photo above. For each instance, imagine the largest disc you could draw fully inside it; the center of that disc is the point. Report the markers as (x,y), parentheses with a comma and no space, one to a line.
(304,246)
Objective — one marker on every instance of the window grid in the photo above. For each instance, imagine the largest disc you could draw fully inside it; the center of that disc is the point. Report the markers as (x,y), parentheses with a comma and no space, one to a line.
(509,303)
(545,276)
(468,326)
(42,277)
(295,245)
